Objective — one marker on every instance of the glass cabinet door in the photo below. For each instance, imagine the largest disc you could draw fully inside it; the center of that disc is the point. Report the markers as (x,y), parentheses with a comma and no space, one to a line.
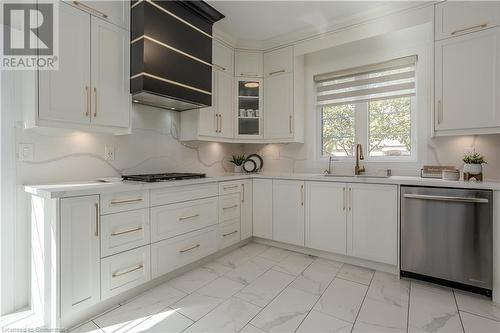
(249,107)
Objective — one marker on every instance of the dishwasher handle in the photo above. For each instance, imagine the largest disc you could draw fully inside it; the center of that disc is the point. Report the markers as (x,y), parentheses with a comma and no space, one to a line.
(445,198)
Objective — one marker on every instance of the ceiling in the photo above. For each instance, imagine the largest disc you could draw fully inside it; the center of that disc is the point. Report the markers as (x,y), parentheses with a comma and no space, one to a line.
(264,20)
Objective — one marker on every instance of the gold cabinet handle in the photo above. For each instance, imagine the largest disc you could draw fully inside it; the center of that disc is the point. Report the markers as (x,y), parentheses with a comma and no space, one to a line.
(188,217)
(126,231)
(87,112)
(350,198)
(95,102)
(219,67)
(190,248)
(230,187)
(220,119)
(249,74)
(230,207)
(483,25)
(343,198)
(440,112)
(127,201)
(218,123)
(231,233)
(277,72)
(290,123)
(97,219)
(302,195)
(88,8)
(127,271)
(242,192)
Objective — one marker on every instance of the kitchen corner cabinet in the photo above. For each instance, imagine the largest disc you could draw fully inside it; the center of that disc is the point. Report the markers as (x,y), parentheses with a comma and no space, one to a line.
(249,112)
(90,90)
(79,251)
(248,64)
(262,194)
(372,222)
(288,211)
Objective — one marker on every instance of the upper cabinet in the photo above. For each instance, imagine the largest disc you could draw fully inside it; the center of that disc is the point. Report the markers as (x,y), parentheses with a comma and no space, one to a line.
(222,57)
(90,90)
(116,12)
(278,62)
(467,68)
(455,18)
(249,108)
(248,63)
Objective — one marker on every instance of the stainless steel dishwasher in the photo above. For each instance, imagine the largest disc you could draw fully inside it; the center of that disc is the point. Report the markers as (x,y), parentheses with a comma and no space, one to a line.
(447,237)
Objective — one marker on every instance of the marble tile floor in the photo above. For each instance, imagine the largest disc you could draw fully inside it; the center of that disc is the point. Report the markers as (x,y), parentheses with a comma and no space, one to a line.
(258,288)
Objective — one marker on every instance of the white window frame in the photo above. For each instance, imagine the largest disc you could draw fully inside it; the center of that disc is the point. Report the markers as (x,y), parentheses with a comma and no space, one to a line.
(362,135)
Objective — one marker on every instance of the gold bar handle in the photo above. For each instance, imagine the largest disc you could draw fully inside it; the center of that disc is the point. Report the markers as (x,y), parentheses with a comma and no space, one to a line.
(95,102)
(230,207)
(127,271)
(483,25)
(87,112)
(230,187)
(188,217)
(277,72)
(126,231)
(231,233)
(88,8)
(242,192)
(190,248)
(302,195)
(290,123)
(343,198)
(127,201)
(219,67)
(97,219)
(350,198)
(249,74)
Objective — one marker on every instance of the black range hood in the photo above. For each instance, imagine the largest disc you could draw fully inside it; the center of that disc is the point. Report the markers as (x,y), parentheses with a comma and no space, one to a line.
(171,53)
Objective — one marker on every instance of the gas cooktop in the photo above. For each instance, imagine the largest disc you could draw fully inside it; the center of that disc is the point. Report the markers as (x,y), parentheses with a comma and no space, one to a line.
(162,177)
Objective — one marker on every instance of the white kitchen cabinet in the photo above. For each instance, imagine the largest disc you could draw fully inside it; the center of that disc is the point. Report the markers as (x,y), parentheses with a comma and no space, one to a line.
(326,216)
(278,103)
(262,196)
(91,88)
(246,209)
(110,75)
(249,103)
(467,83)
(64,94)
(455,18)
(288,211)
(372,223)
(228,233)
(222,57)
(229,207)
(116,12)
(279,61)
(79,251)
(248,63)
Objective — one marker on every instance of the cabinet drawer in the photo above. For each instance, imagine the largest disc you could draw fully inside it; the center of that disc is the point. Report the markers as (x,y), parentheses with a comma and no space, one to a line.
(176,219)
(229,187)
(171,254)
(124,231)
(124,271)
(228,233)
(229,207)
(455,18)
(182,193)
(123,201)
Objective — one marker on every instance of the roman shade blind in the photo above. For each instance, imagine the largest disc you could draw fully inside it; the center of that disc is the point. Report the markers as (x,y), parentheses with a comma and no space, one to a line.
(391,79)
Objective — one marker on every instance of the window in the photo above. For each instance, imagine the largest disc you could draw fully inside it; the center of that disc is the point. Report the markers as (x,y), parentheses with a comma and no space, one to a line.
(371,105)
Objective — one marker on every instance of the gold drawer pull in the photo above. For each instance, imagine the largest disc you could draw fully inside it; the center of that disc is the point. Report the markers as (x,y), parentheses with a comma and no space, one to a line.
(231,233)
(88,8)
(277,72)
(188,217)
(121,202)
(130,270)
(230,207)
(126,231)
(230,187)
(484,25)
(190,248)
(219,67)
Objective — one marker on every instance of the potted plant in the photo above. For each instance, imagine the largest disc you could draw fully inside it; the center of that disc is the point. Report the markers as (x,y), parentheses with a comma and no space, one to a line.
(474,164)
(238,161)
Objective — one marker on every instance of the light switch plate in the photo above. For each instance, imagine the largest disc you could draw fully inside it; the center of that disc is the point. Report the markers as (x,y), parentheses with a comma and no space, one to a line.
(26,152)
(109,153)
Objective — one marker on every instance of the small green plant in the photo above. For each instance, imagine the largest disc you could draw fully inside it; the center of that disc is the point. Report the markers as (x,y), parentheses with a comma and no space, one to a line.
(238,159)
(475,158)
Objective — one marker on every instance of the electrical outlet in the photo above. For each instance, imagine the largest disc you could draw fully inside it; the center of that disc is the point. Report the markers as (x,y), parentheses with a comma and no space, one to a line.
(26,152)
(109,153)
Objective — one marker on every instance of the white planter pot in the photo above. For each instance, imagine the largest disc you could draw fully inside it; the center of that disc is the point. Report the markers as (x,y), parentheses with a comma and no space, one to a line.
(473,169)
(238,169)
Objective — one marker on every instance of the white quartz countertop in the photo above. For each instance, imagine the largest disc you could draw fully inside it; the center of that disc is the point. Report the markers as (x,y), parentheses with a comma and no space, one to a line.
(95,187)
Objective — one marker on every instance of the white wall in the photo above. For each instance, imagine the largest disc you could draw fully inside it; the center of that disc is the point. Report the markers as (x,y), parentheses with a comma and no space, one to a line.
(442,150)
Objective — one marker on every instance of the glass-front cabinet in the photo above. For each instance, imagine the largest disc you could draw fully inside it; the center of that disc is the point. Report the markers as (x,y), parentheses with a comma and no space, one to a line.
(249,107)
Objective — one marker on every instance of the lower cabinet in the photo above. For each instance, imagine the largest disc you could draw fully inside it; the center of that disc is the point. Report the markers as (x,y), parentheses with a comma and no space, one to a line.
(288,211)
(228,233)
(125,271)
(326,216)
(262,208)
(372,224)
(79,250)
(171,254)
(246,209)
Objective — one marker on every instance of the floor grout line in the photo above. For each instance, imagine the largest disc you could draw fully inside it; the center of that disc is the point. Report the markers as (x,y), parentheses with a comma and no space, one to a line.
(408,313)
(478,315)
(362,303)
(458,310)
